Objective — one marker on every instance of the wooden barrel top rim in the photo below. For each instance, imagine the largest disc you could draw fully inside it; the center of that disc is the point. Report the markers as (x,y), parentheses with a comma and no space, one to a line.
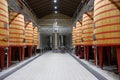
(114,3)
(87,23)
(89,15)
(14,18)
(17,16)
(17,20)
(27,24)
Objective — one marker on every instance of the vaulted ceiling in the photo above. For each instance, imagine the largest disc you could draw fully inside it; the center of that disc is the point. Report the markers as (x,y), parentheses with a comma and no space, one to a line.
(45,7)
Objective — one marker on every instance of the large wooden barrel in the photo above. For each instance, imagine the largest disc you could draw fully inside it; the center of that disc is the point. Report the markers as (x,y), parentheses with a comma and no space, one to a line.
(29,41)
(74,36)
(87,25)
(4,28)
(78,33)
(16,29)
(35,33)
(107,22)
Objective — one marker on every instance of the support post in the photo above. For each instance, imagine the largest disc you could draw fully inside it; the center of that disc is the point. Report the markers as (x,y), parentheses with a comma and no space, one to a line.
(20,56)
(87,53)
(23,52)
(109,55)
(76,50)
(29,51)
(9,56)
(81,52)
(35,50)
(118,59)
(2,56)
(100,52)
(96,56)
(95,50)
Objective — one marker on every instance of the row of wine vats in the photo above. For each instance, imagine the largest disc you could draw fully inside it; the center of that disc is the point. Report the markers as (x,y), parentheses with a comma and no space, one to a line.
(97,35)
(18,36)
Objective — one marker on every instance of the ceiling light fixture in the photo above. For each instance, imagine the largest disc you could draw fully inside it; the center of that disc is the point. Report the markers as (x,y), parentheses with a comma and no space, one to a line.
(56,12)
(55,7)
(55,1)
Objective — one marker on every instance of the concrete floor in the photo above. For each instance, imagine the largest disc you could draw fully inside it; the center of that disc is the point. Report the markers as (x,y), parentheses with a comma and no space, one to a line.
(52,66)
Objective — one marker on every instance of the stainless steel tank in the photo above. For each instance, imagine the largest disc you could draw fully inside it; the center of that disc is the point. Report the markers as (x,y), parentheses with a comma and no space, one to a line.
(55,41)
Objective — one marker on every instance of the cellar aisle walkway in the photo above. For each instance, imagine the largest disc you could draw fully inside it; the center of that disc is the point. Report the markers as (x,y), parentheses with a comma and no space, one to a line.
(52,66)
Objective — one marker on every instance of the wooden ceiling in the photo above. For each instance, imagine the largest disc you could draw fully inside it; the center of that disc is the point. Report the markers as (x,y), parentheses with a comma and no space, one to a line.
(45,7)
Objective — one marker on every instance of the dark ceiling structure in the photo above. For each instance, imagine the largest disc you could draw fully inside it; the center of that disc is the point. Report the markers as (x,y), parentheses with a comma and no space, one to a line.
(45,7)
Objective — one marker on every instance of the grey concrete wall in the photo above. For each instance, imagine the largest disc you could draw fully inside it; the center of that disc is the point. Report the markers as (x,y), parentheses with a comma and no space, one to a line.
(63,23)
(68,40)
(44,41)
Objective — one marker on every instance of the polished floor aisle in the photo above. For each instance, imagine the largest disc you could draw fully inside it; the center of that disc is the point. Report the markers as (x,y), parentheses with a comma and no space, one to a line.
(52,66)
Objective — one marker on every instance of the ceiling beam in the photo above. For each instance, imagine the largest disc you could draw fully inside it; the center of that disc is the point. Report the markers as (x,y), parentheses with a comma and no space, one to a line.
(39,5)
(37,1)
(40,15)
(68,5)
(43,8)
(71,2)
